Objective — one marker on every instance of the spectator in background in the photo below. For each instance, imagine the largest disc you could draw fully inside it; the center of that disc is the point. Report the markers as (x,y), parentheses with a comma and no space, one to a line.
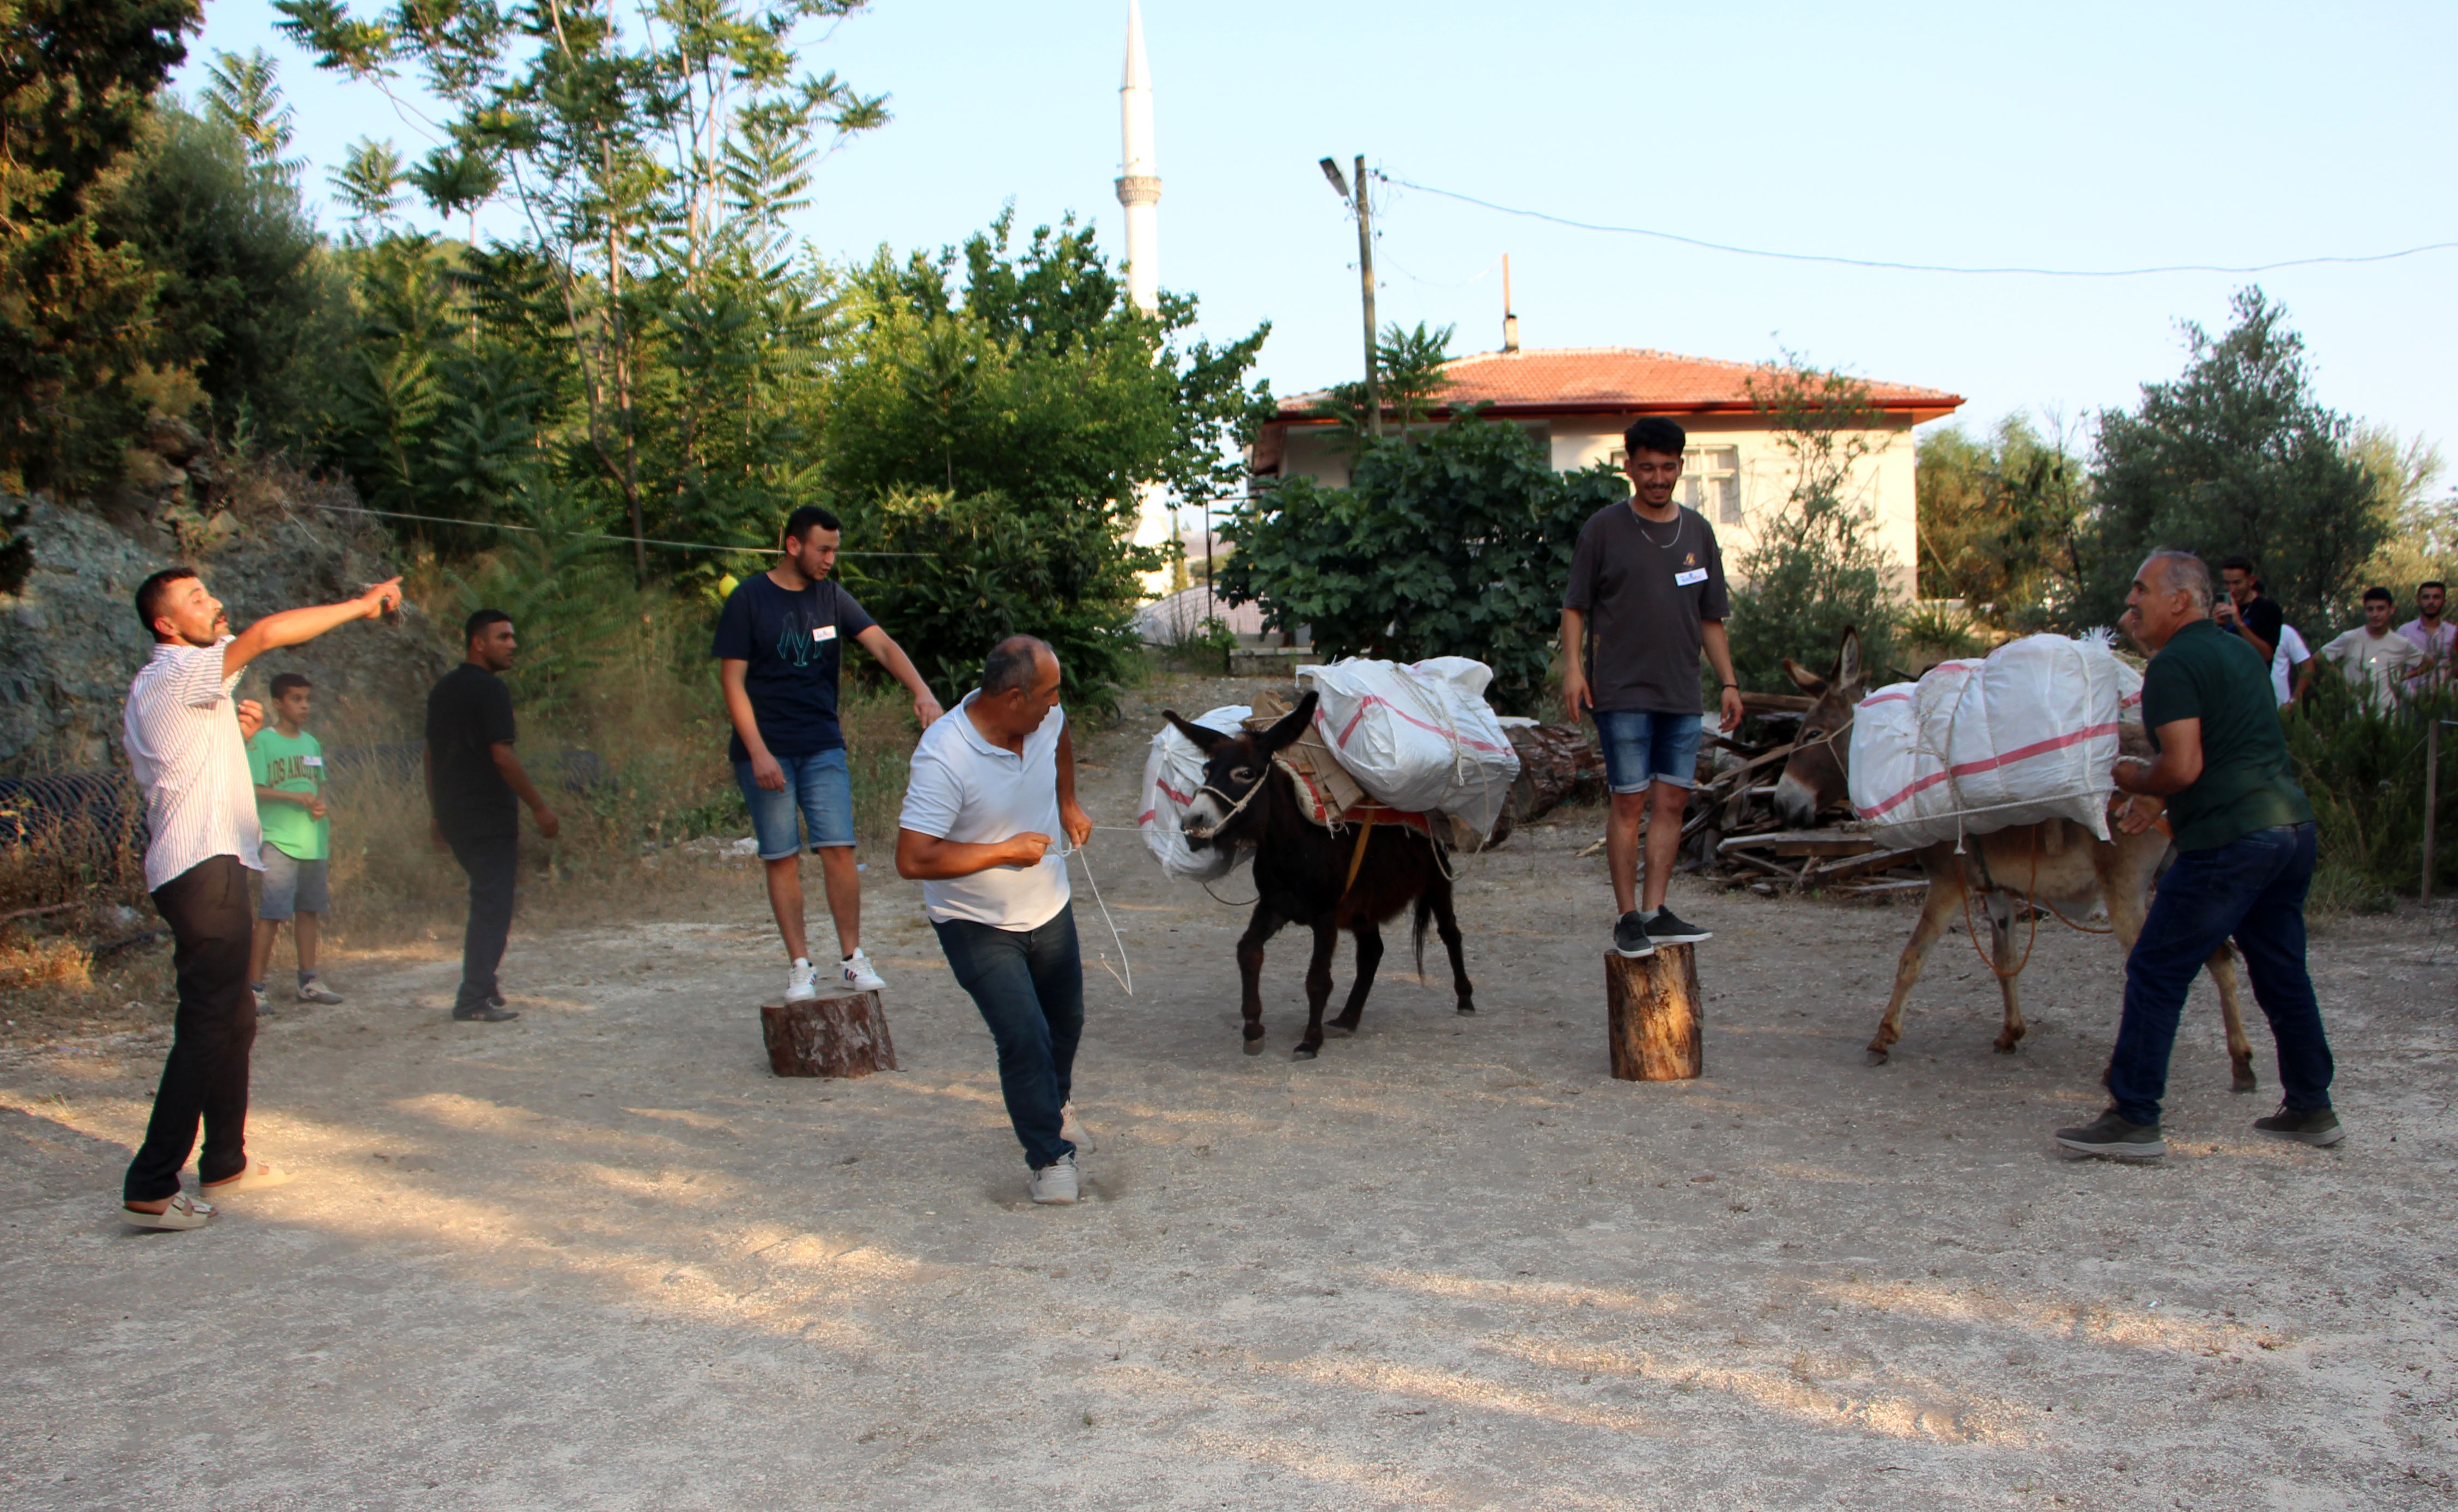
(2431,635)
(2291,667)
(187,748)
(2375,658)
(287,765)
(2246,611)
(473,777)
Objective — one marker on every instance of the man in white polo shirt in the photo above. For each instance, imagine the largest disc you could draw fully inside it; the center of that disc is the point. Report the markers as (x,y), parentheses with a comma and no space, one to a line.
(991,784)
(187,744)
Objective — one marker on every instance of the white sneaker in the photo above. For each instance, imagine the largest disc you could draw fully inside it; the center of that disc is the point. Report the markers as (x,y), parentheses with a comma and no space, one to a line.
(1055,1182)
(802,983)
(860,974)
(1071,1129)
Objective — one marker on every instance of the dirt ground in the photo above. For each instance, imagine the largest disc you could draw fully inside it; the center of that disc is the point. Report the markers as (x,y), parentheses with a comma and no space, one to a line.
(601,1258)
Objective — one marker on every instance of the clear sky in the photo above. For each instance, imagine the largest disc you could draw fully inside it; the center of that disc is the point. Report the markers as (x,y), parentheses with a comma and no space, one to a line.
(2081,134)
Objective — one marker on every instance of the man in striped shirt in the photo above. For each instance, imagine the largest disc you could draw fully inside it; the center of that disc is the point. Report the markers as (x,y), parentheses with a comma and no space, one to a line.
(187,744)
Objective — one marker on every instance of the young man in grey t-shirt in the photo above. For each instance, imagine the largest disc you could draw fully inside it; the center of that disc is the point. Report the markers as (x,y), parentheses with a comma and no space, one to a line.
(1648,579)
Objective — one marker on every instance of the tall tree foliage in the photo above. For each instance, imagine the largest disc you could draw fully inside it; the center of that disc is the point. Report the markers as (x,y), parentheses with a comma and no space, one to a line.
(2236,455)
(76,336)
(999,425)
(1814,566)
(2002,522)
(648,154)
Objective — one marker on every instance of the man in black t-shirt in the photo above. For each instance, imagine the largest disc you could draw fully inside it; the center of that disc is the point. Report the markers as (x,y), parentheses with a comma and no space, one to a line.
(2245,612)
(779,646)
(474,782)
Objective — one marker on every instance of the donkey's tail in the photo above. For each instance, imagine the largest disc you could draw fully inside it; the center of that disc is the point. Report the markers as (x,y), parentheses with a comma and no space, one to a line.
(1425,912)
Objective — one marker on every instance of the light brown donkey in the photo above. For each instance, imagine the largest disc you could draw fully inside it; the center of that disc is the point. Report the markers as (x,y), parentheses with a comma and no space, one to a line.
(2055,864)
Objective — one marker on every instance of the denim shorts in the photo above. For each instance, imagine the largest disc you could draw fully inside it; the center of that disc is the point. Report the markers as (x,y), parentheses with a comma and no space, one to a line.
(292,886)
(818,785)
(1642,746)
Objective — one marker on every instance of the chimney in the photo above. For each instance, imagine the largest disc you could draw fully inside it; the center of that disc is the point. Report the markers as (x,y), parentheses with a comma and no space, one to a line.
(1510,322)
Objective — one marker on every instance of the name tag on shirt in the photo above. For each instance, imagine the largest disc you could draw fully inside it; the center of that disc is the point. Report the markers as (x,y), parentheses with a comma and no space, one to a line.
(1697,574)
(823,632)
(311,762)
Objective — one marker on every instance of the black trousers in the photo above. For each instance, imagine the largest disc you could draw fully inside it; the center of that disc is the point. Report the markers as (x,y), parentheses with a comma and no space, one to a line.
(205,1076)
(491,860)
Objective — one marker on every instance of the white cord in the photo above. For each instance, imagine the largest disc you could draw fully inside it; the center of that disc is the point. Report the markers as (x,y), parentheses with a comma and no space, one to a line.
(1128,982)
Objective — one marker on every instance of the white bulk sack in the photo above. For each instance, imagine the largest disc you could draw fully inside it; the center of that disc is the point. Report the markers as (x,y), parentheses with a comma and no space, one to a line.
(1172,772)
(1420,738)
(2026,734)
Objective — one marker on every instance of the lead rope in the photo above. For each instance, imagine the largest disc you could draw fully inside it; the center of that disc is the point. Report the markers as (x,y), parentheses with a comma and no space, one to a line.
(1128,982)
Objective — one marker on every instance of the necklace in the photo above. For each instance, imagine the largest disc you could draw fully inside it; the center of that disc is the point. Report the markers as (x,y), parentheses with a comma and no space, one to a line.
(1661,546)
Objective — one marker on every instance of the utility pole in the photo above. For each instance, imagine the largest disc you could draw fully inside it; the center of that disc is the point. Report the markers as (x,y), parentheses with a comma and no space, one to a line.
(1358,202)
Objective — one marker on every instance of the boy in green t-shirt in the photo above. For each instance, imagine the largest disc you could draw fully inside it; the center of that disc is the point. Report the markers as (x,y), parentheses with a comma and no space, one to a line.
(288,767)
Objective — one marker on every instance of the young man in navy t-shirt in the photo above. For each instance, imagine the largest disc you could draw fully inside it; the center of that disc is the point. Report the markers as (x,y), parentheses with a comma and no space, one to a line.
(780,644)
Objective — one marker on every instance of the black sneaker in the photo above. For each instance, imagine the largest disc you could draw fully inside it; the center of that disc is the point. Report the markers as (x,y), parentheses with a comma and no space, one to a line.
(1667,928)
(2115,1136)
(2320,1127)
(1630,938)
(491,1011)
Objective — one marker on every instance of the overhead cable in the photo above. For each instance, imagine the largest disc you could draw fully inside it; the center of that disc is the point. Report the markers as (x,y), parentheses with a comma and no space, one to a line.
(1911,267)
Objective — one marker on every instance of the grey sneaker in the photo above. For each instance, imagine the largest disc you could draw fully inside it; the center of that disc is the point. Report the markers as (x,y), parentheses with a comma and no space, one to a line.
(1630,938)
(2320,1127)
(1057,1182)
(1071,1129)
(313,991)
(2115,1137)
(1667,928)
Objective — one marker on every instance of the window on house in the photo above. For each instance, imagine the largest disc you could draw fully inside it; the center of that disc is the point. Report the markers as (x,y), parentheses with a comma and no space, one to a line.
(1712,476)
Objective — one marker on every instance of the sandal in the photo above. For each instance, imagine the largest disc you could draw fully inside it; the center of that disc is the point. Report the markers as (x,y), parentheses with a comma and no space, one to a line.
(258,1175)
(183,1212)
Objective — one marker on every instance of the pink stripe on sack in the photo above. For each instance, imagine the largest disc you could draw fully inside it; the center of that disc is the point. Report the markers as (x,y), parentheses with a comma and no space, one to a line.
(1968,768)
(1146,816)
(1371,699)
(1181,799)
(1886,697)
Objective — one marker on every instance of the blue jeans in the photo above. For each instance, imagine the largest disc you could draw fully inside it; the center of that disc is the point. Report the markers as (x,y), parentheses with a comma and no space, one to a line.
(818,786)
(1030,985)
(2253,888)
(1643,746)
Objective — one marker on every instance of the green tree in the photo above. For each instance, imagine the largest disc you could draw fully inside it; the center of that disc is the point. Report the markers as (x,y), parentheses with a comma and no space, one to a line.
(1814,566)
(649,151)
(247,297)
(2236,455)
(1452,542)
(1409,377)
(2001,521)
(76,334)
(1001,425)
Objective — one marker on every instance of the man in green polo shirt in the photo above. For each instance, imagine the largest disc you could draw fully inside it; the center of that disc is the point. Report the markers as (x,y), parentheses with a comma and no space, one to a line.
(2245,859)
(287,764)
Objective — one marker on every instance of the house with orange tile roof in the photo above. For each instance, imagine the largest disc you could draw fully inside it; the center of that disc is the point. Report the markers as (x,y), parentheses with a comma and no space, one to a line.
(1577,401)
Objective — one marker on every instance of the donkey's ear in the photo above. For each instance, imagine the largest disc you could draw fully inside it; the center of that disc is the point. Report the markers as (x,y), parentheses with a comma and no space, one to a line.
(1847,659)
(1206,740)
(1290,725)
(1807,681)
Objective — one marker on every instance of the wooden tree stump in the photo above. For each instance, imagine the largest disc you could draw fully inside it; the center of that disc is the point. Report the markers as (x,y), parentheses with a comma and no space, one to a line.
(1651,1015)
(841,1036)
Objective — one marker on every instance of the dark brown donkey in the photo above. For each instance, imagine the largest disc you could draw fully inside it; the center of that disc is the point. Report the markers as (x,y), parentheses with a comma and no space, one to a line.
(2054,864)
(1305,874)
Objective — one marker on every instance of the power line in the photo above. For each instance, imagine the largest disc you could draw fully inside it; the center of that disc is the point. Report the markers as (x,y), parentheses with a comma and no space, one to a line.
(1908,267)
(584,535)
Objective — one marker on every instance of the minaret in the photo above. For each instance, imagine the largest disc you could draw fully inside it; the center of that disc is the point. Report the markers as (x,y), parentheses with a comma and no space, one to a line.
(1138,181)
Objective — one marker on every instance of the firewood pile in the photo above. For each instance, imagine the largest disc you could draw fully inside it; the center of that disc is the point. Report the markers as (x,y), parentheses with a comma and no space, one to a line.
(1730,834)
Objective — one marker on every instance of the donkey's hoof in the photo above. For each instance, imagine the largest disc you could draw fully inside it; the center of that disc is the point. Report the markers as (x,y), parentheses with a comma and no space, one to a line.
(2244,1080)
(1255,1046)
(1303,1052)
(1339,1031)
(1467,1010)
(1877,1058)
(2005,1047)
